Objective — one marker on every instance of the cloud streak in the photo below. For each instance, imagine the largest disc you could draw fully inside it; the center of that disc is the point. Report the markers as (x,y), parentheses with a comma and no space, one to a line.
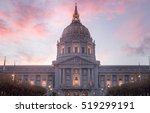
(142,49)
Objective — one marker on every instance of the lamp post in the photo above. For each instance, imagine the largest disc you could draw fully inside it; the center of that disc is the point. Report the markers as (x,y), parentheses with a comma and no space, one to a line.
(50,90)
(139,76)
(108,86)
(102,91)
(13,77)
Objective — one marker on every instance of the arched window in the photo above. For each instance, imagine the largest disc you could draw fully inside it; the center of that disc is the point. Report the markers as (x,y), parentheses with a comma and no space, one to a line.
(67,93)
(85,93)
(76,93)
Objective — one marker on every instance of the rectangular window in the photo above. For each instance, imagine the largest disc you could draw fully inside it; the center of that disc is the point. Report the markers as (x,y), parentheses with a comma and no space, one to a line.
(38,78)
(50,77)
(114,77)
(89,51)
(69,50)
(63,50)
(83,50)
(126,78)
(102,77)
(44,83)
(25,78)
(76,49)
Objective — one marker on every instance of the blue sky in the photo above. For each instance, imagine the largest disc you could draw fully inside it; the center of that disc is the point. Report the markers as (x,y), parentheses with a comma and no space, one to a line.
(29,29)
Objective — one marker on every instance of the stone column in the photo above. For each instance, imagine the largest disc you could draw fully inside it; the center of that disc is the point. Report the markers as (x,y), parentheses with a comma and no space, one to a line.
(63,77)
(57,78)
(88,69)
(95,76)
(71,80)
(80,75)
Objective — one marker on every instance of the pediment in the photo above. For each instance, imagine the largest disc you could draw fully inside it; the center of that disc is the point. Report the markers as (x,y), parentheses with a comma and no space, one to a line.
(76,60)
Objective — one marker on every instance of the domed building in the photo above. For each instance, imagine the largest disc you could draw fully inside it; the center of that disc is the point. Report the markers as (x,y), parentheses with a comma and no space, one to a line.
(76,65)
(76,70)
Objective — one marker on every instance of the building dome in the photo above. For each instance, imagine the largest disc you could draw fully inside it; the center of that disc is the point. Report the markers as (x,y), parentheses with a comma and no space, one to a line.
(76,28)
(75,41)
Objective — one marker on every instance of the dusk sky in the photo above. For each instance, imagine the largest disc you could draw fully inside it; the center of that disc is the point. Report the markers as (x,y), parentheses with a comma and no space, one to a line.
(29,29)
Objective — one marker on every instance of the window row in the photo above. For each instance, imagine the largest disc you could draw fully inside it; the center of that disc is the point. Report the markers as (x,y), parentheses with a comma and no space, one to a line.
(76,49)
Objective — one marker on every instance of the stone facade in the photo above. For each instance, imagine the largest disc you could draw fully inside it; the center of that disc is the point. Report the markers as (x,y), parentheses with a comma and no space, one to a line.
(76,70)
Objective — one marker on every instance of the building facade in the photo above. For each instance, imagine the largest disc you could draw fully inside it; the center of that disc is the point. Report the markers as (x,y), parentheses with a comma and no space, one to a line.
(76,70)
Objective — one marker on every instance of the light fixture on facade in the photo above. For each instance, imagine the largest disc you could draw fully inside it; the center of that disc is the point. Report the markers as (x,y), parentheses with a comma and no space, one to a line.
(76,81)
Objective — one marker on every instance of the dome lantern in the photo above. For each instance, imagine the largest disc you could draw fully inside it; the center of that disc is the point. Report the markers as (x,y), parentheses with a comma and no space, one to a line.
(76,14)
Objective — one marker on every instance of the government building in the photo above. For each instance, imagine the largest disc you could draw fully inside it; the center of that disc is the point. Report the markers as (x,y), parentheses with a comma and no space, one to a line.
(76,71)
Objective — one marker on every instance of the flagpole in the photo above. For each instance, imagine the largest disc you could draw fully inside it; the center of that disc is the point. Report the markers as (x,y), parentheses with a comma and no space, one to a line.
(149,60)
(149,63)
(4,64)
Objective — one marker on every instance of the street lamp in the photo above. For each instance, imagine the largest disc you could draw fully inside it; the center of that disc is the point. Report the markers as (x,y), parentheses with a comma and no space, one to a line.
(139,76)
(108,85)
(13,77)
(50,89)
(102,91)
(94,93)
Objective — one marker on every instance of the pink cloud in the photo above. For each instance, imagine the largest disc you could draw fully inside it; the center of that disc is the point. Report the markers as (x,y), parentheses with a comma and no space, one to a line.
(32,60)
(109,8)
(135,36)
(41,29)
(27,13)
(132,30)
(4,28)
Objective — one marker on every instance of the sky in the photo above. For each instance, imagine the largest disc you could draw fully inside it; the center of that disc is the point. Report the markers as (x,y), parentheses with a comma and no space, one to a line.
(29,29)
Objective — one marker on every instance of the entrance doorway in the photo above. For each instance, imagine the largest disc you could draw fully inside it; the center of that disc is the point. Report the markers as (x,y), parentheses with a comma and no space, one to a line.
(85,93)
(67,93)
(76,93)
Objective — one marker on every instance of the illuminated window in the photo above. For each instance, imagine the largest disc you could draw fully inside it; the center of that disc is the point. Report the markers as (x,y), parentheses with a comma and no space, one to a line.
(108,83)
(44,83)
(120,82)
(32,82)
